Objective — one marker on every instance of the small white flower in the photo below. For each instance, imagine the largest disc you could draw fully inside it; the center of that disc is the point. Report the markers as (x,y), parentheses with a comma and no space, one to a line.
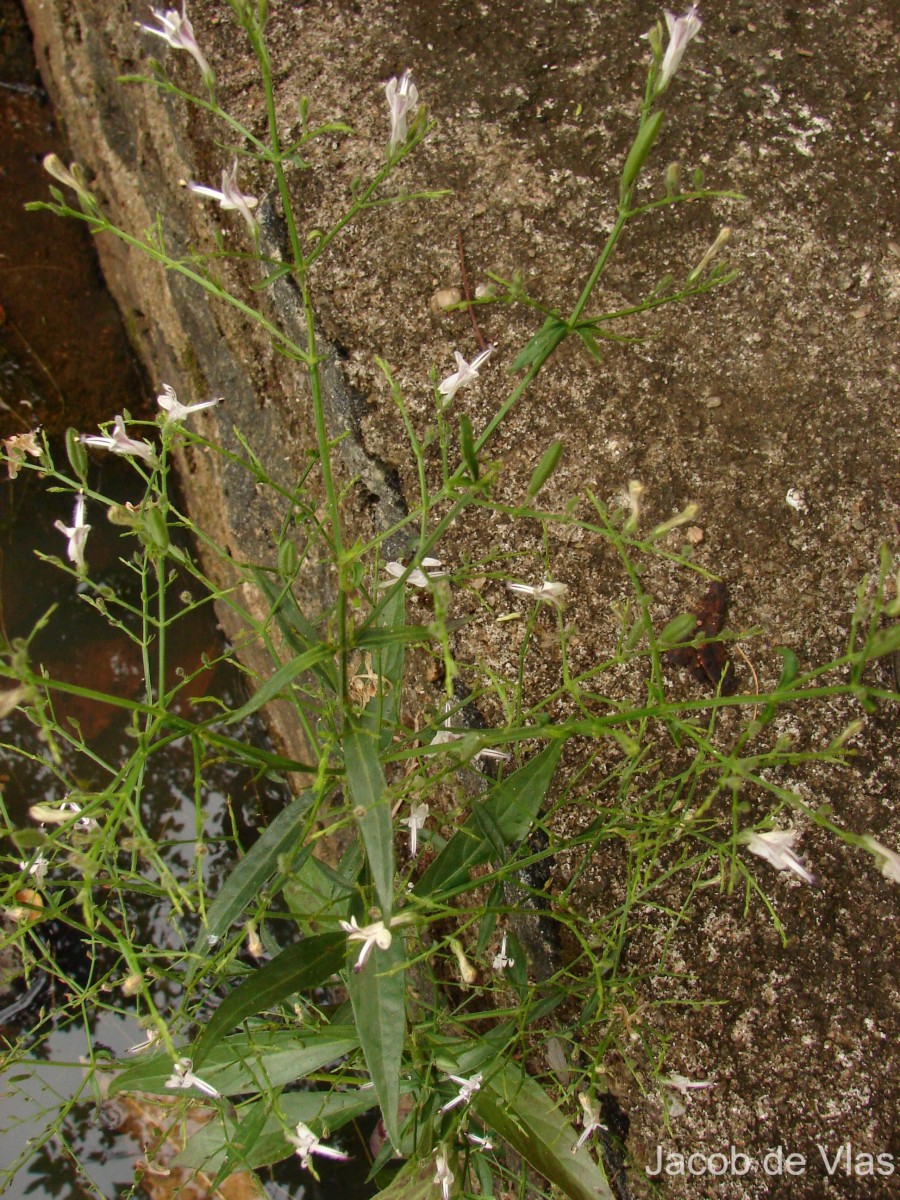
(467,1089)
(306,1144)
(550,590)
(682,31)
(230,196)
(418,815)
(887,860)
(443,1175)
(417,578)
(36,869)
(684,1085)
(183,1077)
(776,846)
(402,98)
(176,411)
(150,1042)
(17,447)
(590,1119)
(76,535)
(465,372)
(178,32)
(501,961)
(376,934)
(118,442)
(482,1143)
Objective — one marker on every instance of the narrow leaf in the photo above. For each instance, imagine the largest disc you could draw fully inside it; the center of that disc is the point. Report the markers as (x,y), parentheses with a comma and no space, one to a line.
(510,807)
(280,679)
(321,1111)
(304,965)
(251,873)
(542,344)
(378,995)
(372,809)
(247,1062)
(519,1110)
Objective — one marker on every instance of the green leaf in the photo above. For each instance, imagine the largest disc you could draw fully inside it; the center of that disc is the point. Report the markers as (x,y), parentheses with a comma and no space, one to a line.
(789,670)
(543,343)
(387,642)
(248,1062)
(415,1182)
(279,680)
(254,869)
(508,812)
(304,965)
(378,996)
(321,1111)
(518,1110)
(372,809)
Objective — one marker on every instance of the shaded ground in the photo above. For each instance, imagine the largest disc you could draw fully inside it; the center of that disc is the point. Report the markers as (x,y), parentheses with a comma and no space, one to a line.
(784,381)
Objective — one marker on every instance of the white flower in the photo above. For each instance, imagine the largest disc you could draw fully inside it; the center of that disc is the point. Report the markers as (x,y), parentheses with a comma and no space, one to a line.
(76,534)
(376,934)
(417,578)
(443,1175)
(230,197)
(36,869)
(176,411)
(418,815)
(150,1042)
(120,443)
(776,847)
(467,1089)
(590,1119)
(178,32)
(551,591)
(17,447)
(183,1077)
(888,860)
(446,734)
(482,1143)
(306,1144)
(402,99)
(682,30)
(684,1085)
(501,961)
(465,372)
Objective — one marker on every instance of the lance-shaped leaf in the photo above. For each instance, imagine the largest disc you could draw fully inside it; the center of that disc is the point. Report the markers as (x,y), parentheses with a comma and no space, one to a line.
(247,1062)
(520,1111)
(378,995)
(250,874)
(305,965)
(321,1111)
(371,807)
(506,815)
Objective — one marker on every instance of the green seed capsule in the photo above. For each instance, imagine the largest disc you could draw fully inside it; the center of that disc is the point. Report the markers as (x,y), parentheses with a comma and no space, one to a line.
(287,560)
(467,446)
(545,468)
(77,454)
(157,528)
(680,629)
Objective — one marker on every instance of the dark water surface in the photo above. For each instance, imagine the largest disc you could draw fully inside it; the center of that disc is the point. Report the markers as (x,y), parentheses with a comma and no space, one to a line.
(65,362)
